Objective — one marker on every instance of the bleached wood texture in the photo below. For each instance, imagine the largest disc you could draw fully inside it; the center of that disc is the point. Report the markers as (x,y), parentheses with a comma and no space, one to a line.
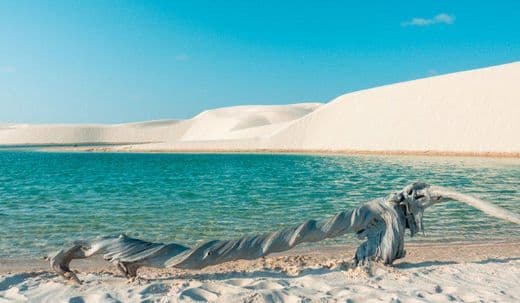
(382,222)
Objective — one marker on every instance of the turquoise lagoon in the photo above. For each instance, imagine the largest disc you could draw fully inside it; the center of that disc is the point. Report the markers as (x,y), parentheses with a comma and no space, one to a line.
(50,199)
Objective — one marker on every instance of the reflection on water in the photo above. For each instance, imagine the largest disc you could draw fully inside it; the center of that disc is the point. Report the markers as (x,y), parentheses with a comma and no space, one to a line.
(50,199)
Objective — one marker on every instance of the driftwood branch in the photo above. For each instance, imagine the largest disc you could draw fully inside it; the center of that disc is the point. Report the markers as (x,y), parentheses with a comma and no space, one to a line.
(382,222)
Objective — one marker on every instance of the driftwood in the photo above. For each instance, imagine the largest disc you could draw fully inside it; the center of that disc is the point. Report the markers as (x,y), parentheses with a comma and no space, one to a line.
(382,222)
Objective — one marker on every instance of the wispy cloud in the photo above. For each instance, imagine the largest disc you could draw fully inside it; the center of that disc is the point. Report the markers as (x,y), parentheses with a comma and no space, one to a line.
(438,19)
(182,57)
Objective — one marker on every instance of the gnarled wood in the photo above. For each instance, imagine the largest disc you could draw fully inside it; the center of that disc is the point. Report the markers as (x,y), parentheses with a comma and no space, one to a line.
(382,222)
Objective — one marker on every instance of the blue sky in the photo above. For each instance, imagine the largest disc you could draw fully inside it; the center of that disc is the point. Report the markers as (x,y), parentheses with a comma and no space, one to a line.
(118,61)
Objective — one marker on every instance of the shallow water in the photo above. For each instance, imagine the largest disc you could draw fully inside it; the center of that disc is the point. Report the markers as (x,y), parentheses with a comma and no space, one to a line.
(48,200)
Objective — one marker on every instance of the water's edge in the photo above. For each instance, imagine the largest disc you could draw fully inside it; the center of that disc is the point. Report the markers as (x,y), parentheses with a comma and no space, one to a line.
(50,199)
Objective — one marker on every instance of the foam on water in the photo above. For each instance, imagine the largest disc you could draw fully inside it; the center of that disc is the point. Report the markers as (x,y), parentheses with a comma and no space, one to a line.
(48,200)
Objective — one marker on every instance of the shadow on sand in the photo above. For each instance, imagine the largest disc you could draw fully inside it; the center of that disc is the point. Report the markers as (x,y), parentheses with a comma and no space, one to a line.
(407,265)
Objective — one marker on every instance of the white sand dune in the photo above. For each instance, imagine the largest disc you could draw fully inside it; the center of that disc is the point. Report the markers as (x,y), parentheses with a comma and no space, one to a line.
(242,122)
(472,112)
(153,131)
(229,123)
(434,273)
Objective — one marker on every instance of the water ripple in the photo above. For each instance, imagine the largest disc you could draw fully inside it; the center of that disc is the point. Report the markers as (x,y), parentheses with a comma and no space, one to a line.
(50,199)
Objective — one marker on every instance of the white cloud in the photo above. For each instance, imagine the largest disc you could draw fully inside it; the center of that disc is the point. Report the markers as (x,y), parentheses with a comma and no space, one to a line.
(438,19)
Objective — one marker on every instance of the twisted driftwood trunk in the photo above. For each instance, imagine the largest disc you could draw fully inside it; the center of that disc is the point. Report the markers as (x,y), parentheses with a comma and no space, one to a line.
(382,222)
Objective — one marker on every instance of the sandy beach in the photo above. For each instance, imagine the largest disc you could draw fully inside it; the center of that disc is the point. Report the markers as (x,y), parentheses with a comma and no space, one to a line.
(470,113)
(436,272)
(427,117)
(256,151)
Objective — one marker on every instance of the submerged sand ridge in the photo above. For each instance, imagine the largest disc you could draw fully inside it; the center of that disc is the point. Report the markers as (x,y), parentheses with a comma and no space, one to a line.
(474,112)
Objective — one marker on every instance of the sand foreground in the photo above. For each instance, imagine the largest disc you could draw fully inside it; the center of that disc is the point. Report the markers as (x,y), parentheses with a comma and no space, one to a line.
(457,272)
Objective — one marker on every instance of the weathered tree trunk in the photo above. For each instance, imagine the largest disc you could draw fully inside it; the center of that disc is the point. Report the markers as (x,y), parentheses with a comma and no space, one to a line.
(382,222)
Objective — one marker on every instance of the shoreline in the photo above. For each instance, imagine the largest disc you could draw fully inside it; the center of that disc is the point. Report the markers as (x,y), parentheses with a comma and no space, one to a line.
(472,113)
(421,251)
(471,272)
(123,148)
